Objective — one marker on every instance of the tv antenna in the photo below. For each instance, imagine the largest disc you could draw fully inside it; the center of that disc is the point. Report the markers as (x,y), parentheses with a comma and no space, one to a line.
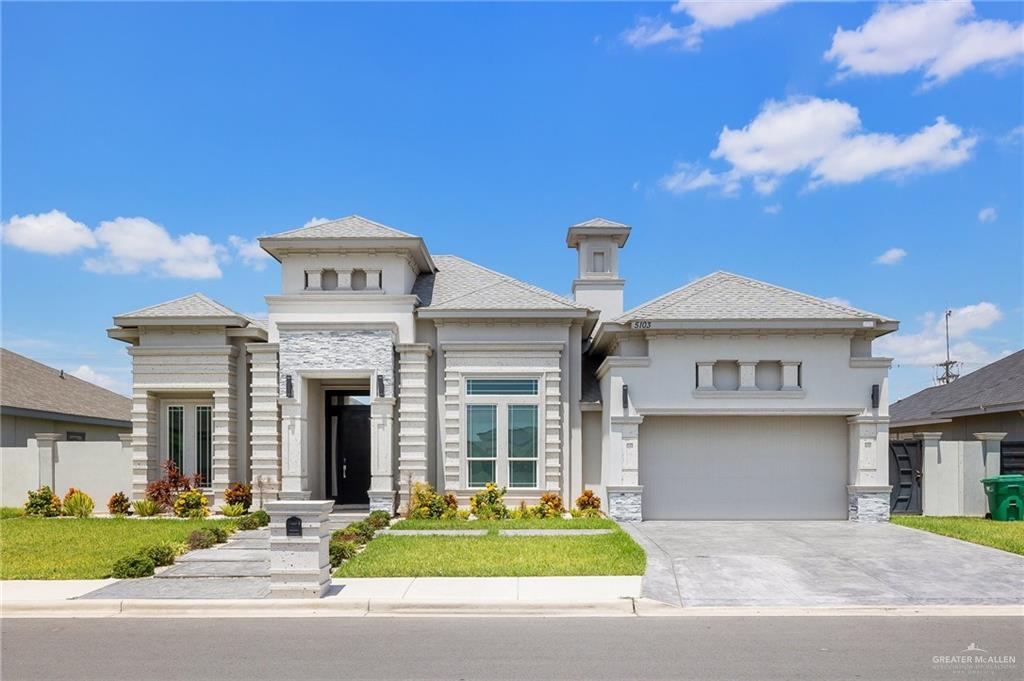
(948,371)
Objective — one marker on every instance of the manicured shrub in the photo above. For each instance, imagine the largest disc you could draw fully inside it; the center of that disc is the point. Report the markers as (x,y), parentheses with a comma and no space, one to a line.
(253,521)
(145,508)
(232,510)
(362,529)
(489,503)
(378,520)
(588,503)
(523,512)
(42,502)
(239,493)
(119,504)
(220,534)
(165,490)
(78,504)
(201,539)
(341,551)
(425,502)
(261,517)
(133,566)
(191,504)
(161,554)
(550,505)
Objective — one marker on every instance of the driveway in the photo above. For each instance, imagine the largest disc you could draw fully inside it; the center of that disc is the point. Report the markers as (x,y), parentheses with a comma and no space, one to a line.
(824,563)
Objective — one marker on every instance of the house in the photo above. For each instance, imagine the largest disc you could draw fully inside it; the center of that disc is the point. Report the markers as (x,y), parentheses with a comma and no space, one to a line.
(947,437)
(381,365)
(35,398)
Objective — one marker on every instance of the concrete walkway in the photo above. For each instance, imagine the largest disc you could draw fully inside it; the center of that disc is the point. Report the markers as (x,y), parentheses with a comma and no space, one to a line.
(820,564)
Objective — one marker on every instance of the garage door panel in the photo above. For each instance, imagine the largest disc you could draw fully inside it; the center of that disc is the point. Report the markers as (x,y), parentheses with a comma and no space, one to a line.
(743,467)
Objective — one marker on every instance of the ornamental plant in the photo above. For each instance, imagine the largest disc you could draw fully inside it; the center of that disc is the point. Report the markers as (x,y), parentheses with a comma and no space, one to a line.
(489,503)
(341,550)
(78,504)
(119,504)
(165,490)
(133,566)
(588,505)
(161,554)
(191,504)
(550,505)
(202,538)
(378,520)
(253,521)
(220,534)
(232,510)
(42,502)
(239,493)
(145,508)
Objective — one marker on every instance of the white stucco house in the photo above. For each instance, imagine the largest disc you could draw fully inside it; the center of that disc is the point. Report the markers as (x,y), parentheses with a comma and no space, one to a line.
(380,365)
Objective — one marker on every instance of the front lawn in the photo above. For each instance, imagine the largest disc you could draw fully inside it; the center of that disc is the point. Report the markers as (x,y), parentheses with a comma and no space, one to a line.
(81,548)
(495,556)
(1008,536)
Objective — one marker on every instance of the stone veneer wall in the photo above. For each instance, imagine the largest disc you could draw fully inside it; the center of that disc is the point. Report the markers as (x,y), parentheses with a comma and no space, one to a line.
(869,506)
(625,506)
(337,349)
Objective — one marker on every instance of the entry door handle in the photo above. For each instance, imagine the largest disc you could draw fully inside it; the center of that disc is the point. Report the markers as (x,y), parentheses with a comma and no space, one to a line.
(344,468)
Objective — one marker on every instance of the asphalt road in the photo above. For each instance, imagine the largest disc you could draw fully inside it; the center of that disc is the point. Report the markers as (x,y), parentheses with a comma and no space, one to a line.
(903,648)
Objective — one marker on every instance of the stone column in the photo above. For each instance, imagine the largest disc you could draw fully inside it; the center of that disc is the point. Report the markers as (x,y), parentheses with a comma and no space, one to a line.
(868,491)
(313,280)
(224,426)
(932,502)
(46,449)
(145,442)
(412,416)
(265,420)
(748,375)
(294,478)
(705,375)
(625,498)
(300,565)
(991,452)
(344,280)
(790,375)
(382,486)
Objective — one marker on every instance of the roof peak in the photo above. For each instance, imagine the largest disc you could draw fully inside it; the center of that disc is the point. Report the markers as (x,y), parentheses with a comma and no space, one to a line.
(349,227)
(601,222)
(194,305)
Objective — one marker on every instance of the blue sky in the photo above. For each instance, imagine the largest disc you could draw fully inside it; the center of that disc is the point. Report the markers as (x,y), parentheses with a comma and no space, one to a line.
(765,142)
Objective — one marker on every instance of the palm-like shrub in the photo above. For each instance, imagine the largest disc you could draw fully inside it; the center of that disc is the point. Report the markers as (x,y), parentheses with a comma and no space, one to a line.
(78,504)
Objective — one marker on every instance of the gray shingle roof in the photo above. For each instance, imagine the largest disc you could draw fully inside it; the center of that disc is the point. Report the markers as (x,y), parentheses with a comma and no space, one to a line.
(27,384)
(192,305)
(350,227)
(726,296)
(1000,383)
(462,285)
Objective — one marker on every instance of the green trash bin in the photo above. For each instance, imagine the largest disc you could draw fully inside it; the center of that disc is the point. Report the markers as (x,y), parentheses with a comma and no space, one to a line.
(1005,496)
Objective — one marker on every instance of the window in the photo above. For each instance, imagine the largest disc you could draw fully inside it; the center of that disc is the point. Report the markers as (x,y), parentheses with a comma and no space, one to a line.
(187,437)
(502,433)
(74,436)
(599,262)
(501,386)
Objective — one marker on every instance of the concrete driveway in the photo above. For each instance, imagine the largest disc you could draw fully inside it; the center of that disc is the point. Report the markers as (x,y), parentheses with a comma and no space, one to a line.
(825,563)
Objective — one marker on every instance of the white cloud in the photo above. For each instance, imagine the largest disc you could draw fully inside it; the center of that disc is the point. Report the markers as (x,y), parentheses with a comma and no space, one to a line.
(942,39)
(133,245)
(838,301)
(53,233)
(773,209)
(928,346)
(1014,137)
(823,138)
(687,177)
(987,214)
(87,373)
(891,256)
(250,252)
(706,16)
(313,222)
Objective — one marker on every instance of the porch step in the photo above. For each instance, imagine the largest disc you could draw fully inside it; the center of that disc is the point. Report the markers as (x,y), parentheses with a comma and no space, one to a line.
(339,519)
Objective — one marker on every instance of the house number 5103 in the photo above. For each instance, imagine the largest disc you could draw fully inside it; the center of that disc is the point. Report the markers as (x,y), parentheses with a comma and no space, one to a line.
(638,324)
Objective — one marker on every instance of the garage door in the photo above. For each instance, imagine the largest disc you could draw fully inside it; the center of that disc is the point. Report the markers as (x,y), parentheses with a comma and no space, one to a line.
(743,467)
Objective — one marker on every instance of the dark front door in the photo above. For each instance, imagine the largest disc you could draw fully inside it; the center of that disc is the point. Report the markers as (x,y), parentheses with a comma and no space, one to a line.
(905,476)
(347,449)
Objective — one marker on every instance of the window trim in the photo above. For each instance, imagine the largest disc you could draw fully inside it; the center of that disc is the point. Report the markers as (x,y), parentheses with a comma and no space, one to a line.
(501,404)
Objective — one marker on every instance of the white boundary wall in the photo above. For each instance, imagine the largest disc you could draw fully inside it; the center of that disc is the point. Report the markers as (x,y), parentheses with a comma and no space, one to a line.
(97,468)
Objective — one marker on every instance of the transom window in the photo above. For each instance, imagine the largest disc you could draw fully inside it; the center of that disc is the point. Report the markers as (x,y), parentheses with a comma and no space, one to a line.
(502,434)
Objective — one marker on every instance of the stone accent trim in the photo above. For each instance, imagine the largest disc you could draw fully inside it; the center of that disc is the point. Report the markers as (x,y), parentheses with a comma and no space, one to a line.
(868,503)
(265,420)
(413,428)
(625,502)
(337,349)
(382,501)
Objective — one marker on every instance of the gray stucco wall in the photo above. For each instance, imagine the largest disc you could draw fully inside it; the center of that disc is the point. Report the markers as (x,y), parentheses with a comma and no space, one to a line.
(15,431)
(337,350)
(964,427)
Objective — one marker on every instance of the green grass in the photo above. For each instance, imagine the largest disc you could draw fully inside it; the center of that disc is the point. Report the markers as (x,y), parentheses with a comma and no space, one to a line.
(80,548)
(494,556)
(494,525)
(1008,536)
(10,512)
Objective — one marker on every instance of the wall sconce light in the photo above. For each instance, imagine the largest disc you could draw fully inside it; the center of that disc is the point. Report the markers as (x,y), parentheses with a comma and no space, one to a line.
(625,397)
(289,391)
(380,385)
(875,395)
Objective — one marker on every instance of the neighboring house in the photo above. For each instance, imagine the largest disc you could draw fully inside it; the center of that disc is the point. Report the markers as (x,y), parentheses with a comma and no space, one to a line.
(381,365)
(35,398)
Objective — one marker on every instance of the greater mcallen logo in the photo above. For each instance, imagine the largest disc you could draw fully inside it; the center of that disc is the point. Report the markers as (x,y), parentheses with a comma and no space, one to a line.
(973,658)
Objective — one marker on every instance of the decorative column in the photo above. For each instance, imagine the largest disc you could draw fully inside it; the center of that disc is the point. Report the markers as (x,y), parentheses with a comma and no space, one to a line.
(145,440)
(313,282)
(224,426)
(991,452)
(932,501)
(790,375)
(46,449)
(300,565)
(625,499)
(551,410)
(344,280)
(382,486)
(868,491)
(412,416)
(705,375)
(294,477)
(748,375)
(265,420)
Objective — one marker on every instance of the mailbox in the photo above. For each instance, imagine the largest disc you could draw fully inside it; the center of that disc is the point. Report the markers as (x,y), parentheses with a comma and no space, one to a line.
(293,527)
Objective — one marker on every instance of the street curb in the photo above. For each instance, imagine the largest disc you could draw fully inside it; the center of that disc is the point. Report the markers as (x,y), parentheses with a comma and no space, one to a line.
(333,607)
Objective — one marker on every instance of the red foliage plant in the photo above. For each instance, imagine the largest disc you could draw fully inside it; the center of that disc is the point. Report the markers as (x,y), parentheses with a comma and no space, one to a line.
(164,491)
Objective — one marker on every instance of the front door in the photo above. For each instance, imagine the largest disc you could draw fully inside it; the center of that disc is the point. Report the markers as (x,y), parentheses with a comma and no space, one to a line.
(905,476)
(347,447)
